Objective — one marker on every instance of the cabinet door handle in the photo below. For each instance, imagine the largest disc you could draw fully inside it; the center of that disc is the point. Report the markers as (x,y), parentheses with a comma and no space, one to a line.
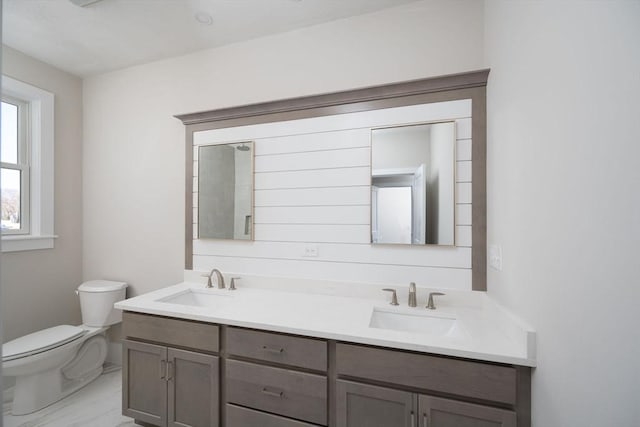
(425,421)
(273,393)
(163,369)
(413,419)
(169,371)
(273,350)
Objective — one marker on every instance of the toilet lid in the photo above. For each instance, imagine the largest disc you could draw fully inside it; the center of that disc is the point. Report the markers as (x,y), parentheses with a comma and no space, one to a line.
(40,341)
(101,286)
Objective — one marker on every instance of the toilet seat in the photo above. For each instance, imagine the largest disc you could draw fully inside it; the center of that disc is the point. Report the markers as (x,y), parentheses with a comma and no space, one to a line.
(40,341)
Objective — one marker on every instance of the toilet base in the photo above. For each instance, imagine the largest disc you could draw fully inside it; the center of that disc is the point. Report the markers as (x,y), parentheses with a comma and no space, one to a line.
(37,391)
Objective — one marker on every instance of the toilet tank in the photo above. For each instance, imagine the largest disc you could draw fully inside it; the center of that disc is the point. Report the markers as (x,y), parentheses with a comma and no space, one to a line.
(96,302)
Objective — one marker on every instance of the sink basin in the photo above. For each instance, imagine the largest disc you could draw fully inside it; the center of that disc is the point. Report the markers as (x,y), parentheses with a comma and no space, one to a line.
(196,298)
(407,322)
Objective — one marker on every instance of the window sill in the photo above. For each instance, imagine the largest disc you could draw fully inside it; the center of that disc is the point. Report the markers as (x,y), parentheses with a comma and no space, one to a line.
(27,243)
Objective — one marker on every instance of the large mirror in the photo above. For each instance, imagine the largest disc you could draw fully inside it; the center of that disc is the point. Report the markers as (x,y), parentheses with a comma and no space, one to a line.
(225,191)
(413,184)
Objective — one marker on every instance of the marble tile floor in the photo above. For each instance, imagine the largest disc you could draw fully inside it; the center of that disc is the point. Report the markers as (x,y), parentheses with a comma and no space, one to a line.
(96,405)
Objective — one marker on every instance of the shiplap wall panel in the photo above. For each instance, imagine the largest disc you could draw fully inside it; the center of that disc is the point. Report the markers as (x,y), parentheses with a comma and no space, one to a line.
(334,196)
(463,192)
(312,187)
(318,178)
(463,171)
(439,111)
(463,128)
(330,159)
(359,215)
(452,278)
(321,141)
(463,214)
(428,256)
(323,233)
(463,149)
(463,235)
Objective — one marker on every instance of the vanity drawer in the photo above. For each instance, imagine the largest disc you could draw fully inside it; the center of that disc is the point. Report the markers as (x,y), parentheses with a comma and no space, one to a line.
(238,416)
(430,373)
(174,332)
(286,349)
(280,391)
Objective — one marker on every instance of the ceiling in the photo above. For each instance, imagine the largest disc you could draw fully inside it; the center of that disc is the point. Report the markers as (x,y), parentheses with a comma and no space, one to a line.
(113,34)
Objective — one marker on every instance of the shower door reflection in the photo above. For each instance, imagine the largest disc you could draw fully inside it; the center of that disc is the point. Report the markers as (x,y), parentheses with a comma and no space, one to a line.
(225,191)
(413,184)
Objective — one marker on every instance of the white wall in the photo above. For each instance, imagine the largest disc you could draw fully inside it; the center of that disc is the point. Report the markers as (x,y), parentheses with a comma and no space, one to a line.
(37,286)
(133,156)
(564,199)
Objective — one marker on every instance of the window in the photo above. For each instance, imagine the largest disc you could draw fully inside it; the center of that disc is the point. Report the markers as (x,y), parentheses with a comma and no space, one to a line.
(26,180)
(15,166)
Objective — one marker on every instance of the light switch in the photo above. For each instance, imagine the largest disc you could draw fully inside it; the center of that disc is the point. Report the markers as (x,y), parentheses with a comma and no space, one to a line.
(495,257)
(310,251)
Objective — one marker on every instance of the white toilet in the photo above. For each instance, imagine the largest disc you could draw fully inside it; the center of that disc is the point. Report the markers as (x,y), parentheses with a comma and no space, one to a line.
(53,363)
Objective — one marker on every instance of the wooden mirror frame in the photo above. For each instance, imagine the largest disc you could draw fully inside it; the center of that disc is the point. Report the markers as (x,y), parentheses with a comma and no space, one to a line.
(469,85)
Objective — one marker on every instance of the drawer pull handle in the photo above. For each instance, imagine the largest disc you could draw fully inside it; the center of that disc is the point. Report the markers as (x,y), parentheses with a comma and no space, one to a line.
(273,350)
(268,392)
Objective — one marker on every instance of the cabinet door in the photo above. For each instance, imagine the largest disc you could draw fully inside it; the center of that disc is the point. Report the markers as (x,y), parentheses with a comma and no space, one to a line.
(144,388)
(360,405)
(438,412)
(193,389)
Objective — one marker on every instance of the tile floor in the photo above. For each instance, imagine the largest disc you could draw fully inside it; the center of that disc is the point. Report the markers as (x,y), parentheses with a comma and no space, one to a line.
(96,405)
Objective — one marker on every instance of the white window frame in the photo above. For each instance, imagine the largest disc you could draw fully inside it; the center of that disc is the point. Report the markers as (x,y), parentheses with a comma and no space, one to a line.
(41,167)
(22,162)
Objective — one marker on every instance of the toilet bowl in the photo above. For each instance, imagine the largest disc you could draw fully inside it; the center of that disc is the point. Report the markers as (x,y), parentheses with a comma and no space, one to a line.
(52,363)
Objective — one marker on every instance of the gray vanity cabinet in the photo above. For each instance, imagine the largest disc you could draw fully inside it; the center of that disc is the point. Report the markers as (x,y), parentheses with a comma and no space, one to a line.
(438,412)
(414,380)
(163,385)
(169,387)
(182,373)
(144,388)
(362,405)
(274,379)
(193,380)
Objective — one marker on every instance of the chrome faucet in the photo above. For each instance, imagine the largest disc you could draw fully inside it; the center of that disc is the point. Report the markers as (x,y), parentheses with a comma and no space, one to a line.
(232,285)
(219,278)
(412,294)
(430,304)
(394,297)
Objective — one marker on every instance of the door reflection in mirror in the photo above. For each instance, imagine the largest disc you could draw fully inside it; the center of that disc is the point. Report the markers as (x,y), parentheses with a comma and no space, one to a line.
(225,191)
(413,184)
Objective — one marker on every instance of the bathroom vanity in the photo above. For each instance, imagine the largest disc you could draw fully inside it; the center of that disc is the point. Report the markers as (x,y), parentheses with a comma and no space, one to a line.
(210,357)
(312,187)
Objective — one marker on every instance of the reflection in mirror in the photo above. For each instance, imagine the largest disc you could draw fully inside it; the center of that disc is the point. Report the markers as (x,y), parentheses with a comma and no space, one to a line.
(413,184)
(225,191)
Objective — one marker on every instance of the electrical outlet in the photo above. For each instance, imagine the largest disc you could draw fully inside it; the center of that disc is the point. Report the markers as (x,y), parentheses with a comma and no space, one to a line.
(495,257)
(310,251)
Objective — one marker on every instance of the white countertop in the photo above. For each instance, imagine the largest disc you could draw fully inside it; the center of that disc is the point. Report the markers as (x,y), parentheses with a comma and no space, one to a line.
(483,331)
